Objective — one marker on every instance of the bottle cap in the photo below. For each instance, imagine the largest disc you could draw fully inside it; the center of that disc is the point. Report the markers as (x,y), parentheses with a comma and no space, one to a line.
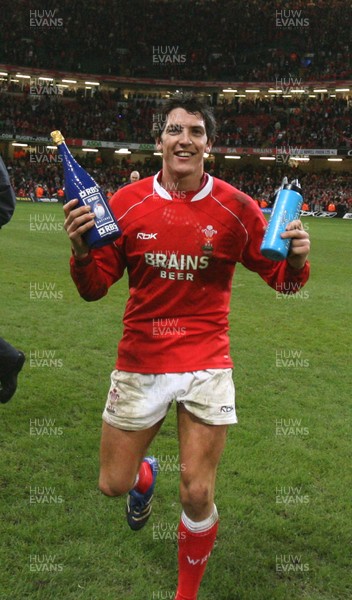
(296,183)
(295,186)
(57,137)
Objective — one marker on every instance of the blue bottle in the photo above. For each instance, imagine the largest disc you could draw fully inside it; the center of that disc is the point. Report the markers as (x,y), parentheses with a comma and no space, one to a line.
(79,184)
(286,209)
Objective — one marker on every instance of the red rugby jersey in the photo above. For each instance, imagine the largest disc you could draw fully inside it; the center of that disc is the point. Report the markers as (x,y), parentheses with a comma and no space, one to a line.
(180,251)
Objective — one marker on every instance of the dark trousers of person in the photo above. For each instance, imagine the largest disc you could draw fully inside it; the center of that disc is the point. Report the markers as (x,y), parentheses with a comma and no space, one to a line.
(8,358)
(11,362)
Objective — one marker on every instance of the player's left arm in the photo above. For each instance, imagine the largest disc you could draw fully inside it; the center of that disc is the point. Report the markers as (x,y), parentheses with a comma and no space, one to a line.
(287,275)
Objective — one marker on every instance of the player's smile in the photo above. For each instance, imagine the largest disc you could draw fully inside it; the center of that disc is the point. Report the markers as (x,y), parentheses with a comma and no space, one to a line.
(184,155)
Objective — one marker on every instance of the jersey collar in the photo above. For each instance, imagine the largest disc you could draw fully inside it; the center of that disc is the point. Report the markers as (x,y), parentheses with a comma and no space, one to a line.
(202,193)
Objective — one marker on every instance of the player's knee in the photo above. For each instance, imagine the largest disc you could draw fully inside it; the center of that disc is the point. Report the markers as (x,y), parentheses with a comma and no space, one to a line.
(196,495)
(113,487)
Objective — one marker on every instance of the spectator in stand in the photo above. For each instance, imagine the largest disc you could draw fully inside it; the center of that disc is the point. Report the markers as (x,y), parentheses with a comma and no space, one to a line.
(39,191)
(135,176)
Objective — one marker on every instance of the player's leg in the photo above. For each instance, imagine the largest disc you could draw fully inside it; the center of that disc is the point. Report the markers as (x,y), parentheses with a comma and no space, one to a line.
(123,469)
(121,455)
(201,446)
(132,416)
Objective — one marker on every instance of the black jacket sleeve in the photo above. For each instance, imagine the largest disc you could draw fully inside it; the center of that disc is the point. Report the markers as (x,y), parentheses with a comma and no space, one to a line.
(7,196)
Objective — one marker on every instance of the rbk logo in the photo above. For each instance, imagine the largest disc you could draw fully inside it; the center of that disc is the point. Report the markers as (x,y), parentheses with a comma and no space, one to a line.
(146,236)
(226,409)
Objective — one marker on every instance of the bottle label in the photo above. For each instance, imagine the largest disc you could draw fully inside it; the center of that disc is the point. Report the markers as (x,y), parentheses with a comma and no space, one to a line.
(104,221)
(284,220)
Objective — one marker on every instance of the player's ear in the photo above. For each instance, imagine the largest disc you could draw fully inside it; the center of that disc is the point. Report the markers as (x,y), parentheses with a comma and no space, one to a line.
(159,144)
(209,145)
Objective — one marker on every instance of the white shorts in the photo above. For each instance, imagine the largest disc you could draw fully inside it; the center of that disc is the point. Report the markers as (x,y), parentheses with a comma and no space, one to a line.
(138,401)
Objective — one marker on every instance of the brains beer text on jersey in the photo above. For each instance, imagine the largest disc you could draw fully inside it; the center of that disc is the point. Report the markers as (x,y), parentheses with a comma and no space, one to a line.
(181,263)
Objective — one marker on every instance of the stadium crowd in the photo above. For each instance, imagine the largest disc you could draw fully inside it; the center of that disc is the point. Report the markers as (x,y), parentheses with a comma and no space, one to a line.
(261,122)
(247,41)
(319,190)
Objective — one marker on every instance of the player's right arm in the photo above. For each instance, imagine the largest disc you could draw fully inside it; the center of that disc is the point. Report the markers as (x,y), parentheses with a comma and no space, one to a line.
(93,271)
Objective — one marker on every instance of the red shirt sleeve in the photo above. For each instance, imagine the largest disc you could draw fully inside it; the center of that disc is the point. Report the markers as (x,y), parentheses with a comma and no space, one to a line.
(94,274)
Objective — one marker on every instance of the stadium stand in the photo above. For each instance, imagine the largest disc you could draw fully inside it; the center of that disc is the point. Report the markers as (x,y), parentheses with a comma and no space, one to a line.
(322,123)
(246,43)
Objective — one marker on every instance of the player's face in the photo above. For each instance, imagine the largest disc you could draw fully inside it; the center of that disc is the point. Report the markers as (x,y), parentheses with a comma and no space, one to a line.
(183,143)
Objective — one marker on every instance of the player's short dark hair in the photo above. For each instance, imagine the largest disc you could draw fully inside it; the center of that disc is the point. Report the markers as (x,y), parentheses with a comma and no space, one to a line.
(191,104)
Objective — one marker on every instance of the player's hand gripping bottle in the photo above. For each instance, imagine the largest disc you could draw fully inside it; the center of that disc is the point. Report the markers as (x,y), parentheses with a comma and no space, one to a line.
(287,208)
(79,184)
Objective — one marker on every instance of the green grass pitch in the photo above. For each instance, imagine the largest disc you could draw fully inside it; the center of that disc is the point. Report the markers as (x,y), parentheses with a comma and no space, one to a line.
(284,486)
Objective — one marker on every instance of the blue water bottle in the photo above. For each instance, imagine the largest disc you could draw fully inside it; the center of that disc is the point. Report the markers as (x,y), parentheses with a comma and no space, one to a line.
(79,184)
(286,209)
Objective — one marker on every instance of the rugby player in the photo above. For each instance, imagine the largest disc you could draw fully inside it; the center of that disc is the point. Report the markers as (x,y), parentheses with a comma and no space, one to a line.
(183,233)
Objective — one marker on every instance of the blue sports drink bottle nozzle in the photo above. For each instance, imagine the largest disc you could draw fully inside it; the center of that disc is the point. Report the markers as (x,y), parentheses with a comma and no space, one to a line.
(79,184)
(287,208)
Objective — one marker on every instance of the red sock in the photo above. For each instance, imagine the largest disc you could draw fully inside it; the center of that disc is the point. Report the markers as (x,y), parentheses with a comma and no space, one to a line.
(145,478)
(194,549)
